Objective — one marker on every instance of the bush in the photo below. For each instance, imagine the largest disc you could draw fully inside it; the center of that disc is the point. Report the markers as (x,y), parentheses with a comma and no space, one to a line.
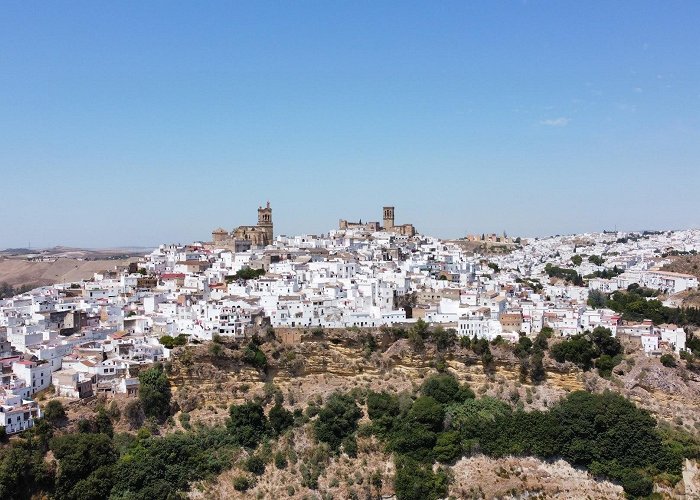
(605,364)
(427,412)
(350,446)
(133,411)
(337,420)
(254,356)
(83,459)
(668,360)
(280,419)
(241,483)
(637,484)
(247,424)
(185,420)
(445,389)
(448,447)
(280,460)
(416,481)
(255,464)
(215,349)
(54,412)
(154,392)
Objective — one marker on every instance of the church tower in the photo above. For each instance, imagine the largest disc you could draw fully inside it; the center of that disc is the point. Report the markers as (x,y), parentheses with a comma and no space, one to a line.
(388,218)
(265,222)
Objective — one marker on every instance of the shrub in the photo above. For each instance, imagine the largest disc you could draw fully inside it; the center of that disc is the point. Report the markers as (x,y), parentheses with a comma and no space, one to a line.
(241,483)
(337,420)
(280,419)
(637,484)
(133,411)
(668,360)
(414,480)
(54,412)
(254,356)
(448,447)
(444,388)
(185,420)
(247,424)
(280,460)
(154,392)
(255,464)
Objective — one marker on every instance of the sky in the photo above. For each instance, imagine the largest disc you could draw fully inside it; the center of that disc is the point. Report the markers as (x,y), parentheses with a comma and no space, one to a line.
(139,123)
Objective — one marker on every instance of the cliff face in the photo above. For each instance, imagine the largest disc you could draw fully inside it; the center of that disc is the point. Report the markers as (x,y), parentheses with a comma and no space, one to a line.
(315,367)
(311,368)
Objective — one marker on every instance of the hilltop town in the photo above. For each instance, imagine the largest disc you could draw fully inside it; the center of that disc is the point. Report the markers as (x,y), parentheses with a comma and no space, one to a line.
(90,339)
(83,337)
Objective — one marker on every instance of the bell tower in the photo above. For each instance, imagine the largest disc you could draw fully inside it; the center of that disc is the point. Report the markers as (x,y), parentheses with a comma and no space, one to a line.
(265,222)
(388,218)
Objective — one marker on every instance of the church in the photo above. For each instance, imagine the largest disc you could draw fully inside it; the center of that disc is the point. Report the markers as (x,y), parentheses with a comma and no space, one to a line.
(373,227)
(244,237)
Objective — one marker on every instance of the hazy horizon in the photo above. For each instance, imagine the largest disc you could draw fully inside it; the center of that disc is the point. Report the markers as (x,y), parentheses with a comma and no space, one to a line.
(126,247)
(137,123)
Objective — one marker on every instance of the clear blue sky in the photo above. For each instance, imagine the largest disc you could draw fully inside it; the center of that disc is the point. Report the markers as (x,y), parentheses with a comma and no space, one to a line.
(134,123)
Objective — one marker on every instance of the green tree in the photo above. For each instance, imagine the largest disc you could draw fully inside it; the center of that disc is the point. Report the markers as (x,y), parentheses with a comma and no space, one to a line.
(280,419)
(415,481)
(448,447)
(668,360)
(596,259)
(443,338)
(255,464)
(605,342)
(427,412)
(337,420)
(80,456)
(254,356)
(577,349)
(103,423)
(54,412)
(133,411)
(247,423)
(23,472)
(444,388)
(154,392)
(524,347)
(597,299)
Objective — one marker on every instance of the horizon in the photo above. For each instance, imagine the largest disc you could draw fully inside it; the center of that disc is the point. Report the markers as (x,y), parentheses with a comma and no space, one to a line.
(143,123)
(418,233)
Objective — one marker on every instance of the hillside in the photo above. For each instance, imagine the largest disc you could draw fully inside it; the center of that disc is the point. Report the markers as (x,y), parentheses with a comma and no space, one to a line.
(686,264)
(282,389)
(308,373)
(20,272)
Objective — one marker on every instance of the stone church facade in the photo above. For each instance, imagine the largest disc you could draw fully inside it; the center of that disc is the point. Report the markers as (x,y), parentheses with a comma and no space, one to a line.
(245,237)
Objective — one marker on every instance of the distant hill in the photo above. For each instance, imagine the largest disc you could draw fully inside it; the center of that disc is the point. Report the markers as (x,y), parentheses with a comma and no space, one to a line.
(15,251)
(22,272)
(686,264)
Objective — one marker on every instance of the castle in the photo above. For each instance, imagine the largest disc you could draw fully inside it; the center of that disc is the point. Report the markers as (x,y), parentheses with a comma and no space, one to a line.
(389,226)
(244,237)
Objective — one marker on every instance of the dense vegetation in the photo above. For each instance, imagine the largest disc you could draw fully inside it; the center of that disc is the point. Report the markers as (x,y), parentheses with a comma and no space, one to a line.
(245,273)
(584,349)
(426,431)
(171,342)
(7,290)
(605,433)
(568,275)
(638,303)
(605,273)
(95,463)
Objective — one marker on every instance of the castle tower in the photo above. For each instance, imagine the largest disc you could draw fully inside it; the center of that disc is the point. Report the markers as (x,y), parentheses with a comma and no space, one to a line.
(265,222)
(388,218)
